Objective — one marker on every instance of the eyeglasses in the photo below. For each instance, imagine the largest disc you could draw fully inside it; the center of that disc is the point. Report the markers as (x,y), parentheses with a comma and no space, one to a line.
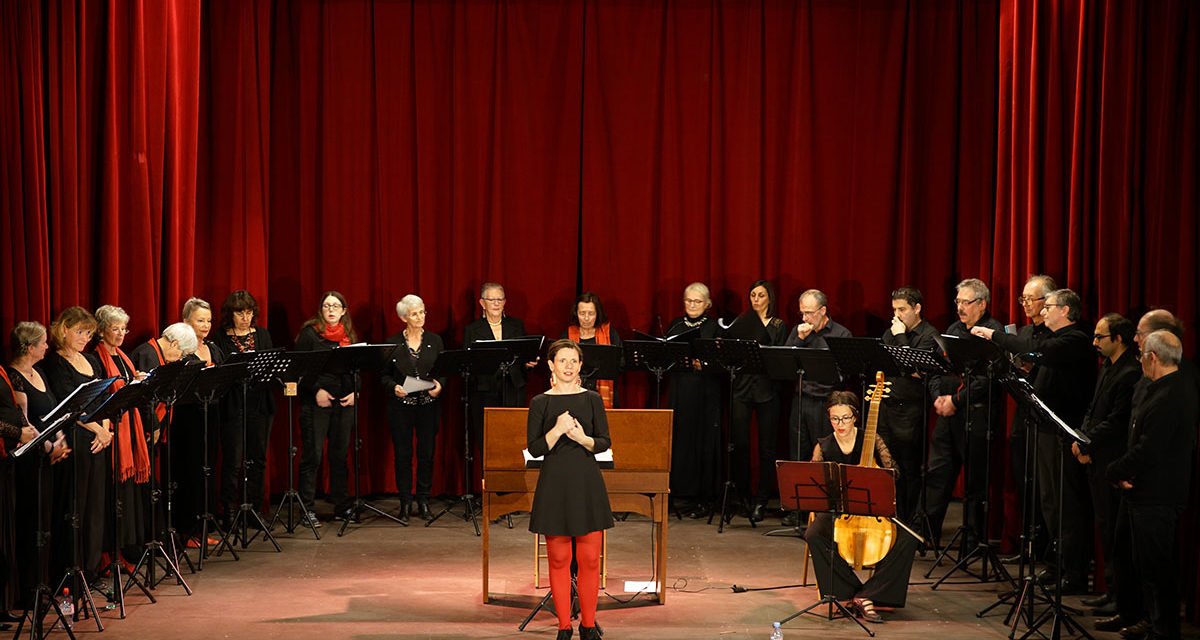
(1049,305)
(493,299)
(962,303)
(1101,336)
(1023,300)
(841,419)
(332,307)
(692,301)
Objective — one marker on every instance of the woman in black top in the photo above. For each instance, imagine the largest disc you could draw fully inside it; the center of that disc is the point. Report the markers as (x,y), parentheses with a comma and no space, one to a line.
(756,393)
(188,452)
(889,585)
(417,412)
(494,390)
(695,397)
(17,511)
(65,368)
(568,426)
(326,407)
(590,325)
(238,334)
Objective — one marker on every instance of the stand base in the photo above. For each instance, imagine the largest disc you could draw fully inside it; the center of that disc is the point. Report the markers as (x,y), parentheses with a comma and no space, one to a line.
(292,500)
(239,528)
(74,577)
(986,554)
(207,520)
(359,506)
(833,604)
(468,501)
(726,516)
(155,557)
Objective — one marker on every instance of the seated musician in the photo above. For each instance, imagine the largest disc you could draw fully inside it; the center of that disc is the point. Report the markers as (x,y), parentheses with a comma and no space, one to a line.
(888,587)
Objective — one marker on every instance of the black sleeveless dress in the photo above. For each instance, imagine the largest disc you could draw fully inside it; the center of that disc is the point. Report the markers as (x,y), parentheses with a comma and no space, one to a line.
(570,499)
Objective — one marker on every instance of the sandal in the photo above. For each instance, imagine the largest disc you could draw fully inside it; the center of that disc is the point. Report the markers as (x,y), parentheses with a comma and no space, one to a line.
(865,609)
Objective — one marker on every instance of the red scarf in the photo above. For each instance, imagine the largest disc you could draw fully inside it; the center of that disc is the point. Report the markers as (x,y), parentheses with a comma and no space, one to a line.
(603,387)
(133,460)
(4,374)
(336,333)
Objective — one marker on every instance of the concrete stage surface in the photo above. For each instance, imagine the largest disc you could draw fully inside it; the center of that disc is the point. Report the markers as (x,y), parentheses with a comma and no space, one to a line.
(382,580)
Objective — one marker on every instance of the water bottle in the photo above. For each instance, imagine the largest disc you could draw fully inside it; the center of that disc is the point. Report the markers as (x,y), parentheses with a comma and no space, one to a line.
(67,606)
(776,632)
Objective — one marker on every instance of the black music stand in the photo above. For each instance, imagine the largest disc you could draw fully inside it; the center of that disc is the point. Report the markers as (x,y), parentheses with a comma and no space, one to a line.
(127,398)
(794,364)
(166,383)
(599,362)
(836,489)
(300,364)
(262,368)
(925,364)
(973,356)
(862,357)
(733,356)
(467,363)
(354,359)
(659,355)
(83,398)
(212,383)
(520,351)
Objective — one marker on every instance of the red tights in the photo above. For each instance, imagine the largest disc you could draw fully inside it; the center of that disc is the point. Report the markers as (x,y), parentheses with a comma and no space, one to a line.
(587,556)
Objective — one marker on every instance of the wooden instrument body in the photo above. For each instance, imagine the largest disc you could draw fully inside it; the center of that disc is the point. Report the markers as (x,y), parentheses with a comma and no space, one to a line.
(865,540)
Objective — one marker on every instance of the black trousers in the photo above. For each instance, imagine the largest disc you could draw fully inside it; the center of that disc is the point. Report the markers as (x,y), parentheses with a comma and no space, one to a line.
(317,424)
(768,432)
(808,423)
(1148,565)
(1105,501)
(948,449)
(405,420)
(1076,504)
(902,427)
(888,587)
(258,432)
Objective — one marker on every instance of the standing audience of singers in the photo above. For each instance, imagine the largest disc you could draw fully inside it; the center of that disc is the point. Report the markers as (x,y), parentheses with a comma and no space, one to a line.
(1140,415)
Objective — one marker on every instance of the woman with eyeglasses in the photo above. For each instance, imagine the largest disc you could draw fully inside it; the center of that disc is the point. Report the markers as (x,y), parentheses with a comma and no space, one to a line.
(888,586)
(326,407)
(238,334)
(500,389)
(695,397)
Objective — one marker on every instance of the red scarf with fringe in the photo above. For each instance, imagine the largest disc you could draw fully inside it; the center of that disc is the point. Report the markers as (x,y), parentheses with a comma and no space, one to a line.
(603,387)
(132,458)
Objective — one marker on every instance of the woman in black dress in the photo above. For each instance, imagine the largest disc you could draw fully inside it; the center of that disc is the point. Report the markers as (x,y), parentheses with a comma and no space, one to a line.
(65,368)
(695,397)
(888,587)
(567,425)
(327,407)
(17,580)
(417,412)
(239,334)
(756,393)
(494,390)
(188,452)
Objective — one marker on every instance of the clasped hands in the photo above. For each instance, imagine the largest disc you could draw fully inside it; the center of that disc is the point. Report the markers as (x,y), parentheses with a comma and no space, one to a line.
(567,425)
(326,399)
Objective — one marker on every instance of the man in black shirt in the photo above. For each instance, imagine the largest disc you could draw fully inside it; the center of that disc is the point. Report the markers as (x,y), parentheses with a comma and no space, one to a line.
(1066,376)
(958,402)
(1154,475)
(808,421)
(902,417)
(1107,425)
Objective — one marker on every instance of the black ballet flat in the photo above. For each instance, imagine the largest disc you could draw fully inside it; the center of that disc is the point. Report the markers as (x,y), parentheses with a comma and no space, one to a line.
(565,634)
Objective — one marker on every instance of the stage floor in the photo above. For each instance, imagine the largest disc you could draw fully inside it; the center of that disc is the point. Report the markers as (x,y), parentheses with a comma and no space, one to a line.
(381,580)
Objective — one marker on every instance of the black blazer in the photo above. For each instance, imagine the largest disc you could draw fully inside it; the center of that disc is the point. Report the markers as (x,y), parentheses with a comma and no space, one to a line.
(510,327)
(403,364)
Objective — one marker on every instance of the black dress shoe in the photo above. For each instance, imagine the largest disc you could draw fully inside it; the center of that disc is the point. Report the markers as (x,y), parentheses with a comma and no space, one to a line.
(402,514)
(1136,631)
(423,510)
(791,519)
(758,512)
(1099,601)
(564,634)
(1111,623)
(1109,609)
(589,633)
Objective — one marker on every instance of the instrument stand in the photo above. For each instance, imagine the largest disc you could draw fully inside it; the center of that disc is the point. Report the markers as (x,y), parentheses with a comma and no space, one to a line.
(734,356)
(832,488)
(465,363)
(166,383)
(45,600)
(211,383)
(262,367)
(300,364)
(355,359)
(969,355)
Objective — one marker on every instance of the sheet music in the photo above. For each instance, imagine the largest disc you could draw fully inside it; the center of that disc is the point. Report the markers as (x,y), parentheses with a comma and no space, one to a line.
(603,456)
(413,385)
